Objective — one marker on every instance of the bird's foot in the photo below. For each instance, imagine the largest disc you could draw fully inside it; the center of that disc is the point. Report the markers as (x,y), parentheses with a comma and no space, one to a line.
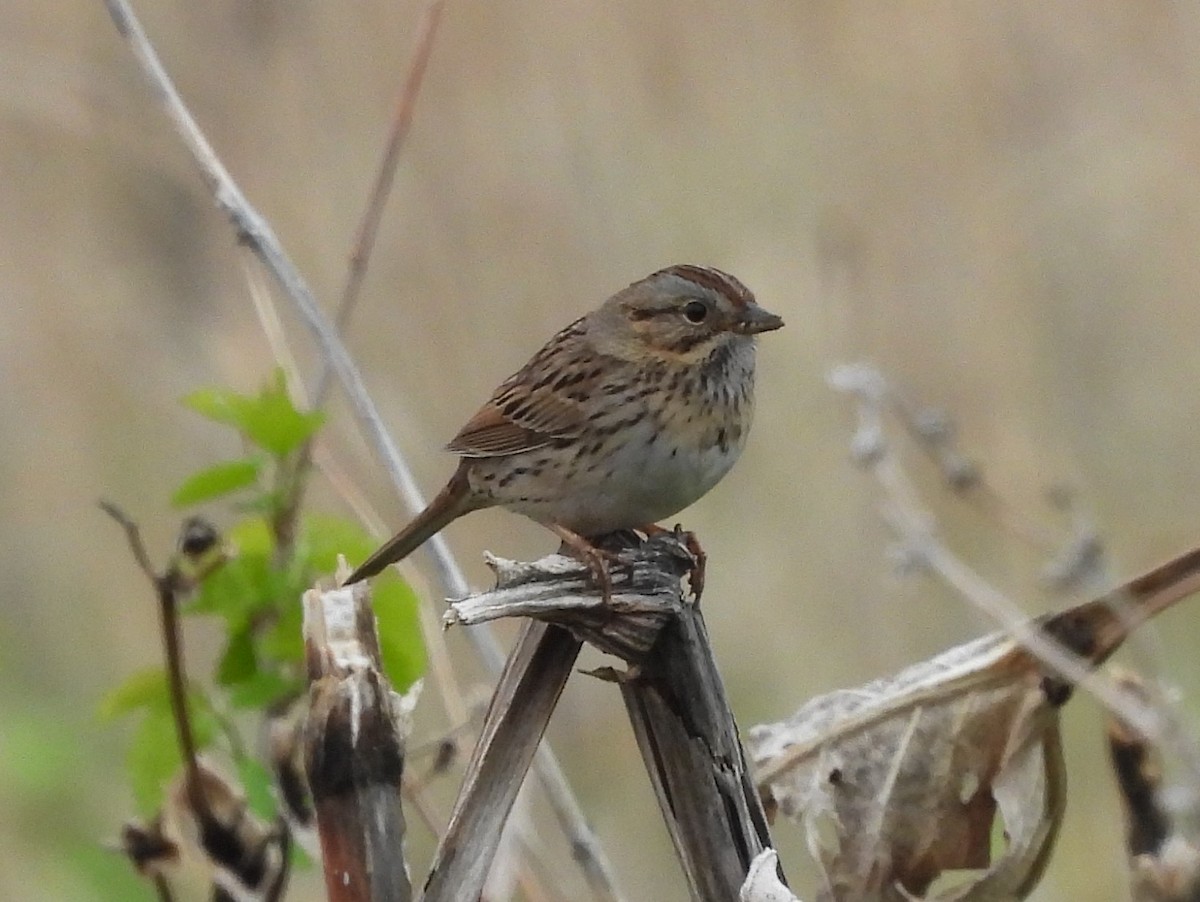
(688,540)
(596,559)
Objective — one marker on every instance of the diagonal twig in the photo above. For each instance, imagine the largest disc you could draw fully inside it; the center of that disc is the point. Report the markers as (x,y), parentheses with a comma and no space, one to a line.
(535,674)
(256,232)
(166,589)
(368,229)
(360,255)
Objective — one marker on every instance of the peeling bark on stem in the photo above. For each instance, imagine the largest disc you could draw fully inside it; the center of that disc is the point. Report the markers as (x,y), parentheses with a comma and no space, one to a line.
(354,750)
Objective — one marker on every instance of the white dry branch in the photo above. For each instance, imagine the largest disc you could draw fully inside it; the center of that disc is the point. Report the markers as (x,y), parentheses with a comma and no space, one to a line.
(256,232)
(923,547)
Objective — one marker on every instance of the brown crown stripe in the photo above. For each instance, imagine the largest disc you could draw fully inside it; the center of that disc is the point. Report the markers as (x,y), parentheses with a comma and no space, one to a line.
(714,280)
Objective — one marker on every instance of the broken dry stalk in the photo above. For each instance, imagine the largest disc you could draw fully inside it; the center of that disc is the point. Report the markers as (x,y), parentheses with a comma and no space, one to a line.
(354,749)
(673,695)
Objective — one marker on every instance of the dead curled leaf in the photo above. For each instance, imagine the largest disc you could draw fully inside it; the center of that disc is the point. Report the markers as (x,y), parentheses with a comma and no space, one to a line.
(898,782)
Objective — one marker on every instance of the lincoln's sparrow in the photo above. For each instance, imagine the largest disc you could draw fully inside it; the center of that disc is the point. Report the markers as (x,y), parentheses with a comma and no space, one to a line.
(625,417)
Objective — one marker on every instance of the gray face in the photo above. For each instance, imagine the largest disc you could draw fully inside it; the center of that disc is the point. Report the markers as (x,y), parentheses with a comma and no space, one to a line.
(686,313)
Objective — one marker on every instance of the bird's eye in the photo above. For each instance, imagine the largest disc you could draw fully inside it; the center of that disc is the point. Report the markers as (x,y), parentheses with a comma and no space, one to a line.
(695,311)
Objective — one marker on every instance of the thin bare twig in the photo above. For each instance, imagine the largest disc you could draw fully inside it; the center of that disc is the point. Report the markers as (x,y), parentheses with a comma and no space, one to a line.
(254,230)
(234,844)
(257,233)
(934,434)
(364,242)
(368,229)
(166,587)
(134,536)
(343,485)
(431,627)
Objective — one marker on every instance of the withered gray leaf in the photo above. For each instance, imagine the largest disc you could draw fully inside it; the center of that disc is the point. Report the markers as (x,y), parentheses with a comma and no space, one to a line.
(899,782)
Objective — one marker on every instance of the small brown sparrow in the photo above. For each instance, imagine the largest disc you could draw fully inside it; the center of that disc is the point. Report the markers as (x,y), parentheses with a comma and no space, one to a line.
(624,418)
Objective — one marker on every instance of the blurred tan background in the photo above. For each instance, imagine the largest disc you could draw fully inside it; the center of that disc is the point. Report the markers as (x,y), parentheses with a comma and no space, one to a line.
(996,202)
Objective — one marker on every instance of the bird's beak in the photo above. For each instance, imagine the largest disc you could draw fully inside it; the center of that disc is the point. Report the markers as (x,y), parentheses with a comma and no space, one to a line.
(754,320)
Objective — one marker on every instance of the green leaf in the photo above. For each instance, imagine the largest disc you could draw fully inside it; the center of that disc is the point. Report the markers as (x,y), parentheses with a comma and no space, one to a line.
(301,863)
(276,425)
(222,405)
(244,584)
(283,641)
(270,420)
(153,758)
(252,537)
(261,504)
(400,642)
(322,538)
(256,783)
(262,689)
(144,689)
(218,480)
(239,662)
(235,591)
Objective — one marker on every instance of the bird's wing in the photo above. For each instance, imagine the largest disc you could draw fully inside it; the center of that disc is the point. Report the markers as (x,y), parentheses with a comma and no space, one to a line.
(542,402)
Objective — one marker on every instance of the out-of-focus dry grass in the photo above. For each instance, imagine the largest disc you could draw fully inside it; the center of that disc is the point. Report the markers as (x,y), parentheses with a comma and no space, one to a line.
(997,202)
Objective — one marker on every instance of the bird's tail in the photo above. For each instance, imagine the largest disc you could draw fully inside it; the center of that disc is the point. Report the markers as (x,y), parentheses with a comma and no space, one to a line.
(451,503)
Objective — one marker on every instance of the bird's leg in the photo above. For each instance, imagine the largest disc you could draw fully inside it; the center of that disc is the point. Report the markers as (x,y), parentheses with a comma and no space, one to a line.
(689,541)
(593,557)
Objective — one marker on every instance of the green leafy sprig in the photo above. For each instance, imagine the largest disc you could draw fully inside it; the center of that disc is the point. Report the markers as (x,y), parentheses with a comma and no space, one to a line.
(254,591)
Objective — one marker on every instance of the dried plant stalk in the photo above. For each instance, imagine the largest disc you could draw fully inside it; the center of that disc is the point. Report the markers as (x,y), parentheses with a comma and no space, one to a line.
(354,750)
(673,694)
